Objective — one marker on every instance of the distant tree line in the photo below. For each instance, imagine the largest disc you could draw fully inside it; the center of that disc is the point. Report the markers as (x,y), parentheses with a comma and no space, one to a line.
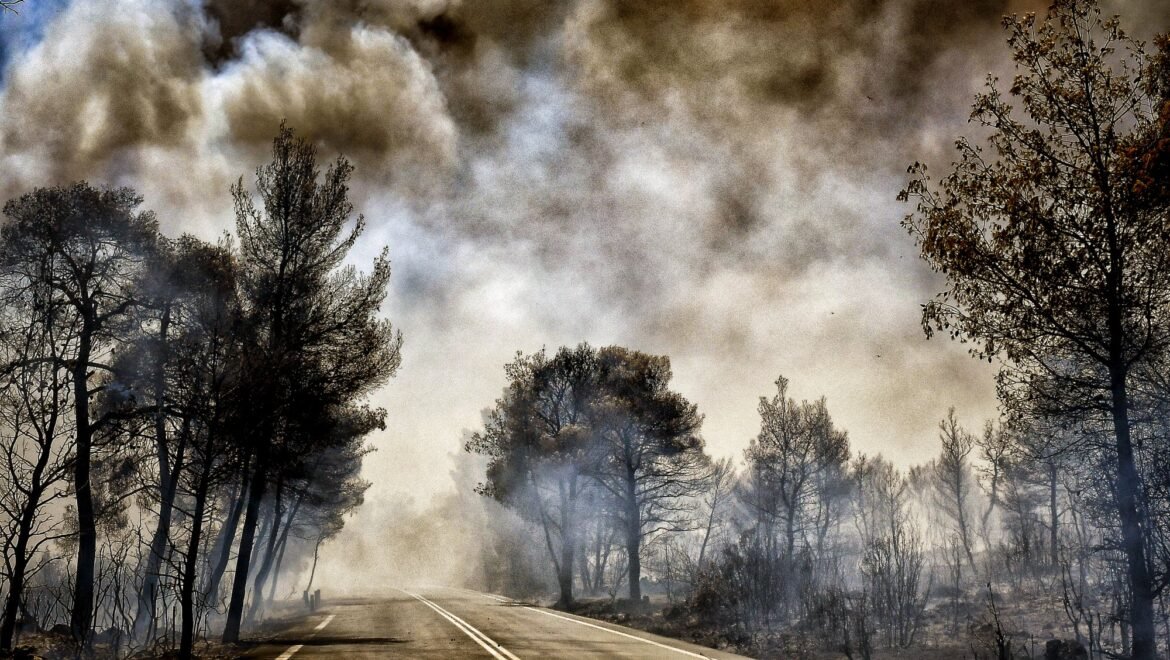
(180,421)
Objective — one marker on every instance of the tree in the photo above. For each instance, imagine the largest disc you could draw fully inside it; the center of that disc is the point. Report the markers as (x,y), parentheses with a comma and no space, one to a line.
(651,458)
(325,481)
(205,359)
(318,343)
(86,246)
(994,448)
(715,502)
(36,445)
(144,368)
(892,554)
(796,469)
(951,479)
(540,447)
(1056,248)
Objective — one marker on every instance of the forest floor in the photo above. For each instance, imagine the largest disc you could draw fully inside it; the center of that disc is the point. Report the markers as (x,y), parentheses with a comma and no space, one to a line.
(959,628)
(50,646)
(58,645)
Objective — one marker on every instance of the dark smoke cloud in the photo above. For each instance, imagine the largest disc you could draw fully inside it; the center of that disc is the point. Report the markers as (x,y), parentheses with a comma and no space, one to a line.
(368,95)
(229,21)
(85,97)
(820,58)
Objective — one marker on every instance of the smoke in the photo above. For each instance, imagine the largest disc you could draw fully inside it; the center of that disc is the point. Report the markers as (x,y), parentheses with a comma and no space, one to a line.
(710,180)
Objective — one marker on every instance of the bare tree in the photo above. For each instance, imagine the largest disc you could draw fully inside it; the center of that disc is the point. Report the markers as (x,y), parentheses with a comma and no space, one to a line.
(994,449)
(796,463)
(893,558)
(715,505)
(952,479)
(36,435)
(87,247)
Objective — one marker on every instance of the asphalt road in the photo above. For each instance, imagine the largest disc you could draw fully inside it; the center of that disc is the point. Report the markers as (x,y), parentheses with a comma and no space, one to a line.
(455,623)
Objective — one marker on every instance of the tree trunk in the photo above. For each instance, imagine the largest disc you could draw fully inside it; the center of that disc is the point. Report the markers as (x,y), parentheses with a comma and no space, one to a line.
(269,555)
(81,616)
(12,605)
(568,545)
(146,596)
(706,536)
(603,562)
(222,550)
(167,482)
(19,567)
(633,535)
(283,543)
(789,566)
(964,528)
(231,629)
(565,578)
(1053,518)
(586,578)
(187,590)
(313,571)
(1132,540)
(280,546)
(262,527)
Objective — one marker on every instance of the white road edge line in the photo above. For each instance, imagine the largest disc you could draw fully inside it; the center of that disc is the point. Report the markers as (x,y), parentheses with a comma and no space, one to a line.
(478,637)
(617,632)
(482,593)
(292,650)
(493,596)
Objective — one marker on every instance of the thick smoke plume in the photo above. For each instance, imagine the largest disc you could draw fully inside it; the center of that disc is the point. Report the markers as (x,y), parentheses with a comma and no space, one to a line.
(713,180)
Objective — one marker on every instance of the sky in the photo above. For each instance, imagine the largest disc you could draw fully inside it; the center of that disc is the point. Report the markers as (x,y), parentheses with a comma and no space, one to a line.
(712,180)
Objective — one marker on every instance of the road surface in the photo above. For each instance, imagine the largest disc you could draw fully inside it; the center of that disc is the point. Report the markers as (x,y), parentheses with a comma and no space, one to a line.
(455,623)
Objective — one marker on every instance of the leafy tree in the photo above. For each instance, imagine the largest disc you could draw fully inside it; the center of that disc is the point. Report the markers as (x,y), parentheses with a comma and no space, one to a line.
(145,371)
(796,479)
(792,462)
(1056,244)
(651,457)
(540,448)
(317,341)
(324,483)
(205,360)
